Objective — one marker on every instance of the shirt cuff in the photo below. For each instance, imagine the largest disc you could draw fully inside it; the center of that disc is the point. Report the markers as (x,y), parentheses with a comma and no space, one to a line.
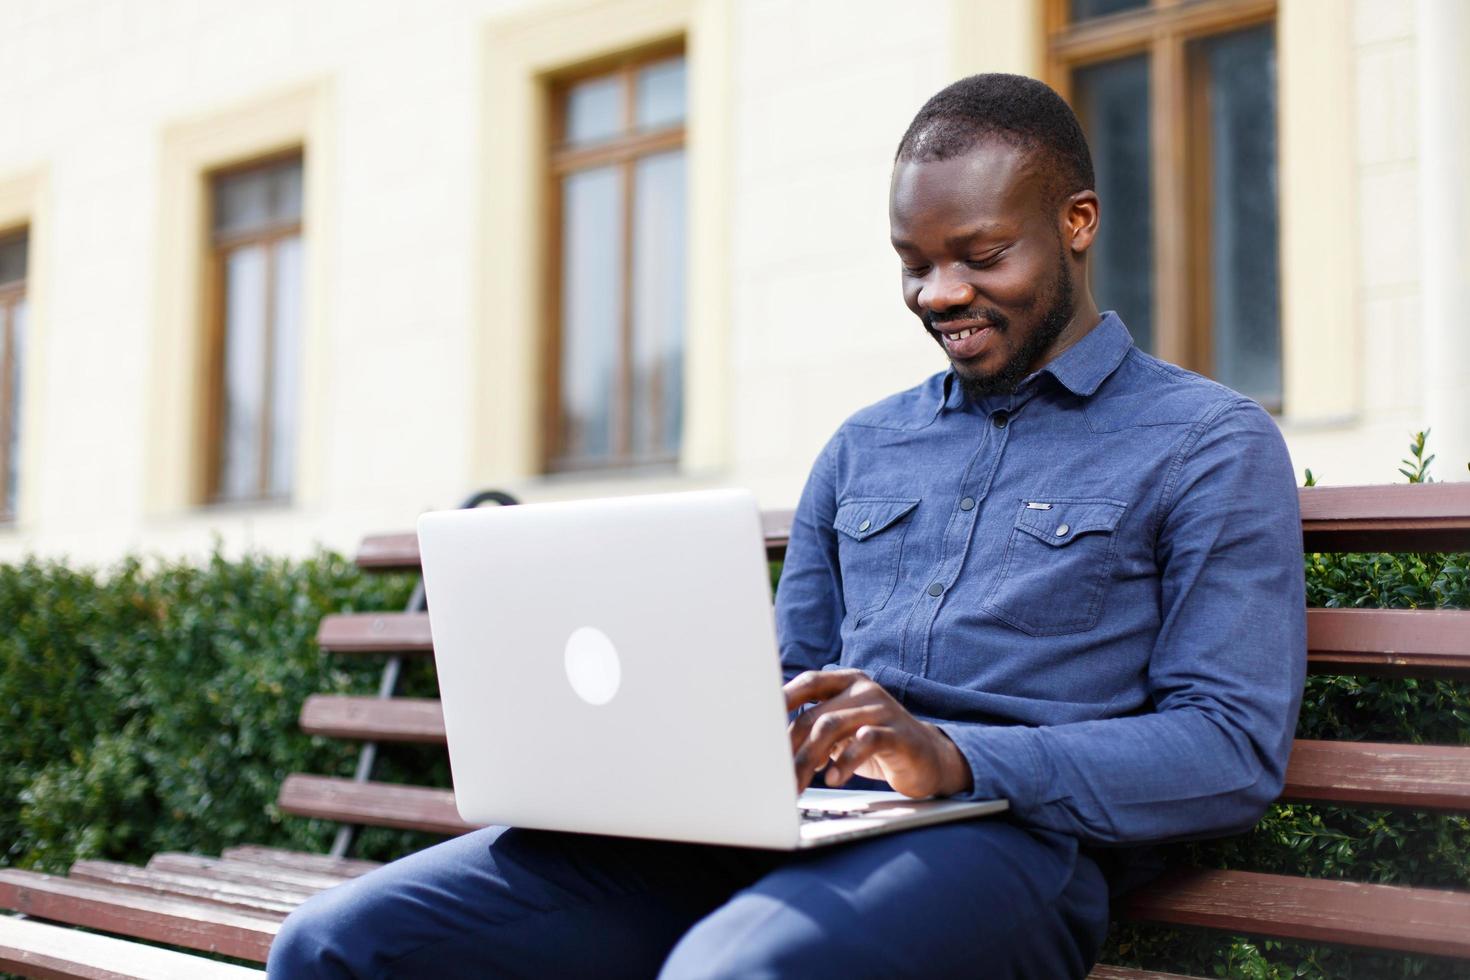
(1006,762)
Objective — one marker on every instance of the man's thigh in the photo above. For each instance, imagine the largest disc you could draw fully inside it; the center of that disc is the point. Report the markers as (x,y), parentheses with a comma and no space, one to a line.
(978,898)
(514,903)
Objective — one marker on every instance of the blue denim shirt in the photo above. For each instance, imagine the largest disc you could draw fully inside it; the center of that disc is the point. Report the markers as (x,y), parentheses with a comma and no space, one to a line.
(1093,586)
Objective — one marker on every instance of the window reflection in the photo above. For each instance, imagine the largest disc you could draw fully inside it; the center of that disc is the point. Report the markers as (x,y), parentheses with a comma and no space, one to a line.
(258,255)
(1112,102)
(619,170)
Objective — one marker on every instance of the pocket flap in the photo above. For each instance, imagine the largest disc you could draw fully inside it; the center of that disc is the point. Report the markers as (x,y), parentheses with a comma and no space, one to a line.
(862,517)
(1059,521)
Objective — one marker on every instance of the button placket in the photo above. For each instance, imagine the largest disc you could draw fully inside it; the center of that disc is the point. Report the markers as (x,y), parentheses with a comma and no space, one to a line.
(917,632)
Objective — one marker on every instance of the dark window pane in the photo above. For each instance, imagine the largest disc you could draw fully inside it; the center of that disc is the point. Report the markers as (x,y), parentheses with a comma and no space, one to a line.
(591,308)
(242,201)
(13,255)
(1086,9)
(286,192)
(595,110)
(1246,329)
(242,431)
(1112,101)
(661,94)
(256,199)
(658,304)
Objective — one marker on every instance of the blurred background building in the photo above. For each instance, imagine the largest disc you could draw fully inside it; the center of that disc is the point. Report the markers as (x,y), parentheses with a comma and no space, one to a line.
(285,272)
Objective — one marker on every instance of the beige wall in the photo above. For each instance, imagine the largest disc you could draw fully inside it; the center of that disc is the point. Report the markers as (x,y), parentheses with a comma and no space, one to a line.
(418,363)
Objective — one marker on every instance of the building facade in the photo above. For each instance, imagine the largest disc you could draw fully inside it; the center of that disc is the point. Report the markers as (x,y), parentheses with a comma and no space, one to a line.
(280,274)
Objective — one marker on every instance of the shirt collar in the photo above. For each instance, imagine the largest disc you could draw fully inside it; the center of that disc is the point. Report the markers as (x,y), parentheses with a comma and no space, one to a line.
(1081,368)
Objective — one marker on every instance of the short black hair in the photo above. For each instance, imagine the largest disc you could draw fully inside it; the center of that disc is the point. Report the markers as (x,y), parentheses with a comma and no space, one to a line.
(1018,110)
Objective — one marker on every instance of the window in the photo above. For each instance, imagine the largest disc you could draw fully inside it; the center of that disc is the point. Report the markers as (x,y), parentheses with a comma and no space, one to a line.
(619,260)
(13,255)
(255,344)
(1178,98)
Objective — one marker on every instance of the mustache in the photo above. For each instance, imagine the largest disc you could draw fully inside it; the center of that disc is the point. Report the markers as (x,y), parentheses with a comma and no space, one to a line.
(989,317)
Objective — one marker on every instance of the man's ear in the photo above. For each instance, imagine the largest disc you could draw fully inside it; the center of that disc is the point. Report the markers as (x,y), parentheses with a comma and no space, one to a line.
(1079,221)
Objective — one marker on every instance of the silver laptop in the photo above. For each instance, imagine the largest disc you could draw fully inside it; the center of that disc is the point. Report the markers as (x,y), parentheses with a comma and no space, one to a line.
(610,667)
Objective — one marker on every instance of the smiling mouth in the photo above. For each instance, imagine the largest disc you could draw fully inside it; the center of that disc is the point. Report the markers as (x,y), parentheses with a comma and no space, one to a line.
(968,342)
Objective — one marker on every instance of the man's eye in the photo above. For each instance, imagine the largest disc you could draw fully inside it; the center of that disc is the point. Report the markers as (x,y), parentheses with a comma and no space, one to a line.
(915,270)
(984,263)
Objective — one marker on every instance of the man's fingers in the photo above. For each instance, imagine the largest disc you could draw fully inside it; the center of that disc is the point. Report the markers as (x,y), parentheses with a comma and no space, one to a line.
(819,685)
(834,726)
(866,742)
(802,725)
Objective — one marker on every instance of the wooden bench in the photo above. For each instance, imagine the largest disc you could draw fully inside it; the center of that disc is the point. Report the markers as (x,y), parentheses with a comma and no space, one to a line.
(234,903)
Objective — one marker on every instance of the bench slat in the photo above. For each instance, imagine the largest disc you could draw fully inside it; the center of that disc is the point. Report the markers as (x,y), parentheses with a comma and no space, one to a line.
(400,552)
(375,633)
(1409,642)
(1409,920)
(38,949)
(374,719)
(242,872)
(389,553)
(1390,517)
(374,804)
(1427,777)
(1105,972)
(277,901)
(1434,777)
(177,921)
(275,857)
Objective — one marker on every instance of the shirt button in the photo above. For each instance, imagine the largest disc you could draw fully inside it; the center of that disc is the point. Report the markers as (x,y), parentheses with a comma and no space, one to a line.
(1062,530)
(967,504)
(865,525)
(936,589)
(1000,419)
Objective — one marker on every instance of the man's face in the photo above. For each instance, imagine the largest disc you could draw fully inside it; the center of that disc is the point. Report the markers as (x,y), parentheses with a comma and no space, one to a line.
(984,265)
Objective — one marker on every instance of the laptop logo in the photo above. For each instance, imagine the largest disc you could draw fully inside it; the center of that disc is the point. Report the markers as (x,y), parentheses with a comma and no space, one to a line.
(592,664)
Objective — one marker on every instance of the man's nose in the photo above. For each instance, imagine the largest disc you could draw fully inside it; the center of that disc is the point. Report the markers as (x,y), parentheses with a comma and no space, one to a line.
(945,291)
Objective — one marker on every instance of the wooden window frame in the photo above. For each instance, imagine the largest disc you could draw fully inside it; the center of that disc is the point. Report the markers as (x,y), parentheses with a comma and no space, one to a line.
(221,246)
(12,294)
(1166,31)
(561,161)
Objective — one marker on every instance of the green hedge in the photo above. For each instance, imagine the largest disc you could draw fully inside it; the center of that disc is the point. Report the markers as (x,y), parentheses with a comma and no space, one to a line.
(153,707)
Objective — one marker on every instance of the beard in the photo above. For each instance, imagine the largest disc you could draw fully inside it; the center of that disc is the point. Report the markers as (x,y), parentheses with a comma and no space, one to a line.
(1059,310)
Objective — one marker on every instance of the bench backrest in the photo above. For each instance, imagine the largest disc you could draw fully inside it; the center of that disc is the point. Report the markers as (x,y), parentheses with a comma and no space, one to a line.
(1420,643)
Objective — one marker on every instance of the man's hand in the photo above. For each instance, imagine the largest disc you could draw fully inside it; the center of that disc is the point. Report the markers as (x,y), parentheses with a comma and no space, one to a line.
(863,731)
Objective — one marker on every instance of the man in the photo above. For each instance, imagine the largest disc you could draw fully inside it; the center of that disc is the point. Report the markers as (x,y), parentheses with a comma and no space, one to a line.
(1061,572)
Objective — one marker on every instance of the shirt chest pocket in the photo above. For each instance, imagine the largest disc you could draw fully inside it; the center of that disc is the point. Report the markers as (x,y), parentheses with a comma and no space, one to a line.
(870,548)
(1058,559)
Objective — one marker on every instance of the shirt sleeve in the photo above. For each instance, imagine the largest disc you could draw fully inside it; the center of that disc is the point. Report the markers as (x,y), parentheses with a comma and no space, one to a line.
(809,608)
(1225,673)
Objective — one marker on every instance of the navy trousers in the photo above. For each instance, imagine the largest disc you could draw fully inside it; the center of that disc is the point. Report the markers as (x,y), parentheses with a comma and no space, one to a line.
(980,898)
